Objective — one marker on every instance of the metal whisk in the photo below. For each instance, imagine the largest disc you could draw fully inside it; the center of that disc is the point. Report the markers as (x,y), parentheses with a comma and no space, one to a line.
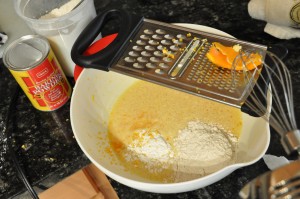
(275,86)
(282,183)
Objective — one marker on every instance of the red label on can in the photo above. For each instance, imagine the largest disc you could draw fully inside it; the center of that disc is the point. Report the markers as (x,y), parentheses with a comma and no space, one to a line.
(47,85)
(41,76)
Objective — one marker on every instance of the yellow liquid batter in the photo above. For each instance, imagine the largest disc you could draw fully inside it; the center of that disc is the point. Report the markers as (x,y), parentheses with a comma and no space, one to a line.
(149,106)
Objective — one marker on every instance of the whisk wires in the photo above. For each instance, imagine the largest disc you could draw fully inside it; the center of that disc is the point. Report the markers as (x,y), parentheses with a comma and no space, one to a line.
(272,94)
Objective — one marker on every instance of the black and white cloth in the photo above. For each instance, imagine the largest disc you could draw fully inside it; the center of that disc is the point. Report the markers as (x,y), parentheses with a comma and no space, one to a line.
(3,38)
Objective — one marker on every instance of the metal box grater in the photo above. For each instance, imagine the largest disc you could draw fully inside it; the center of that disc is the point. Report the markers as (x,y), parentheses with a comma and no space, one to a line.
(175,57)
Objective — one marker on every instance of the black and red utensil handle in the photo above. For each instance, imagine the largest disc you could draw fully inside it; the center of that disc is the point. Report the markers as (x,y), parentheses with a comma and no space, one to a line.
(94,48)
(103,59)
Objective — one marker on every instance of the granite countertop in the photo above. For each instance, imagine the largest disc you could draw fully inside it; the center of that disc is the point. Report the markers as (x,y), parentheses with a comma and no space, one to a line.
(43,141)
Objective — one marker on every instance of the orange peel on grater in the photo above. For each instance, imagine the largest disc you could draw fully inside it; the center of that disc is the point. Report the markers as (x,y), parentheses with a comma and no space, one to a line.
(224,56)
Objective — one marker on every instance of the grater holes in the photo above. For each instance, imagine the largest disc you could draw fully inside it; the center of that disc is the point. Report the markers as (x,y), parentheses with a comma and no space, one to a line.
(159,71)
(146,54)
(206,78)
(160,31)
(167,59)
(129,59)
(158,53)
(196,75)
(154,59)
(141,42)
(145,37)
(172,53)
(217,84)
(205,48)
(222,72)
(227,87)
(226,73)
(207,45)
(151,65)
(174,48)
(168,36)
(163,65)
(153,42)
(133,53)
(150,48)
(181,36)
(166,42)
(138,65)
(177,42)
(202,77)
(230,89)
(201,57)
(157,37)
(199,81)
(160,47)
(195,78)
(148,31)
(221,88)
(230,84)
(142,59)
(137,48)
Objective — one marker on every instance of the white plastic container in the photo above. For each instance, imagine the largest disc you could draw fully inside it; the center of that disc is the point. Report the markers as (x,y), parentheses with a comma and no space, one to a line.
(61,31)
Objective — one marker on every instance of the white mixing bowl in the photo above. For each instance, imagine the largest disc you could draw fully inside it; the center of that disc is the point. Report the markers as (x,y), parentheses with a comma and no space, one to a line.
(94,96)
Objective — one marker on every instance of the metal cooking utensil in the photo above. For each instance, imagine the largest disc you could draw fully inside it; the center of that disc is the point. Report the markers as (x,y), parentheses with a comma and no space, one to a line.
(278,81)
(282,183)
(167,54)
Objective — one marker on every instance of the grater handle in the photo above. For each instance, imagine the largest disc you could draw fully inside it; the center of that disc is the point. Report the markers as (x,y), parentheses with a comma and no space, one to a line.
(281,52)
(104,59)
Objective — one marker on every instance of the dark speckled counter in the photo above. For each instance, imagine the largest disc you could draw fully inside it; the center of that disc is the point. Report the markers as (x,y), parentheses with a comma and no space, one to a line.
(43,140)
